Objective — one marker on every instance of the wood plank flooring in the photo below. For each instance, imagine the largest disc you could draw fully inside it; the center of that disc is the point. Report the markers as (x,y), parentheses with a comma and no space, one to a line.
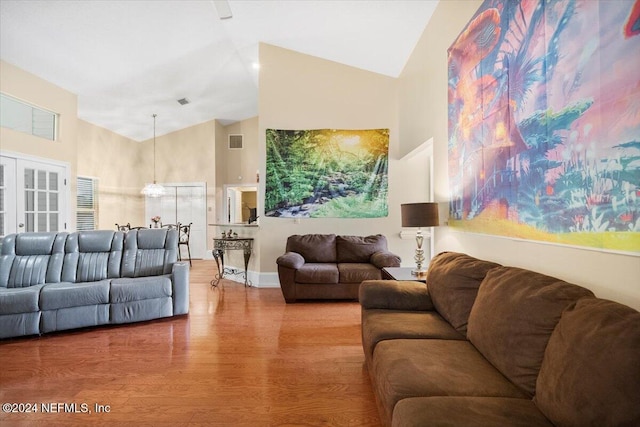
(242,357)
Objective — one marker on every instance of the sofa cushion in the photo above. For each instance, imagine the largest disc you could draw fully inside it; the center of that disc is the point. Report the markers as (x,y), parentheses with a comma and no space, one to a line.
(513,317)
(382,259)
(92,256)
(355,272)
(290,260)
(453,281)
(395,295)
(64,295)
(318,273)
(455,411)
(359,248)
(381,324)
(590,374)
(149,252)
(405,368)
(28,259)
(19,300)
(314,248)
(139,288)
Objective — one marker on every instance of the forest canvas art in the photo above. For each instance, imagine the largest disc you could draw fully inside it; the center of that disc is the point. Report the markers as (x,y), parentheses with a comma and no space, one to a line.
(544,122)
(327,173)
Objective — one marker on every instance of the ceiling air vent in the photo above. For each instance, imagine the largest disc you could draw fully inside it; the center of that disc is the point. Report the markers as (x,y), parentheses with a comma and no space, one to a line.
(183,101)
(236,142)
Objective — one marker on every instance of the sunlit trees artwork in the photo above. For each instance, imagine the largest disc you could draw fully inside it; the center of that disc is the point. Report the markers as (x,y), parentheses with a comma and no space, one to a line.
(327,173)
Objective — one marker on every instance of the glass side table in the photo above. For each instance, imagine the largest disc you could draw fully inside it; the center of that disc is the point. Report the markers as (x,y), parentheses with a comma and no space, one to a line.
(220,245)
(402,273)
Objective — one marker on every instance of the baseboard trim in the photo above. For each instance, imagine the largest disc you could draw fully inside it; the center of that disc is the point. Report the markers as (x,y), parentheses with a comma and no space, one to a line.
(256,279)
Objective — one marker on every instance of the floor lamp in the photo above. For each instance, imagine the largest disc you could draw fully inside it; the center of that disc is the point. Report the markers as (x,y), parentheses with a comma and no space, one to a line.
(419,215)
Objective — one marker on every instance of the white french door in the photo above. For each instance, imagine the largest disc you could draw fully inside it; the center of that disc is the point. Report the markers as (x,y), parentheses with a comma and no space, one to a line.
(33,195)
(183,203)
(8,223)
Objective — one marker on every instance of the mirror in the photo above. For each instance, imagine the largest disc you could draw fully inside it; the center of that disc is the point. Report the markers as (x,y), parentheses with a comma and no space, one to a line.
(241,205)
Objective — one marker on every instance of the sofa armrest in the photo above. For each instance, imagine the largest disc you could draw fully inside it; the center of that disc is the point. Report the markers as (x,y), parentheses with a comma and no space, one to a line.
(291,260)
(395,295)
(180,282)
(383,259)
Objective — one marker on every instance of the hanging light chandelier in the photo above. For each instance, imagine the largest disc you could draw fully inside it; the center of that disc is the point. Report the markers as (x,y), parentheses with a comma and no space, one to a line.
(155,189)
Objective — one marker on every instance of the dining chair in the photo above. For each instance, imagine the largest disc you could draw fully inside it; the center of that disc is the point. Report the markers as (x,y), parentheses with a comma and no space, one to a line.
(170,226)
(184,231)
(125,227)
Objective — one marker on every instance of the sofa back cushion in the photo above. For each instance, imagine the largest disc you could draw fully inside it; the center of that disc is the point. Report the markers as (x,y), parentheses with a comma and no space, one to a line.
(359,249)
(92,255)
(453,280)
(149,252)
(590,373)
(313,247)
(513,317)
(28,259)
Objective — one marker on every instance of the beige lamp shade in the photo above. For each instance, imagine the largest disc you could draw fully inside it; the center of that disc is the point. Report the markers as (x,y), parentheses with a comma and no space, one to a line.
(420,215)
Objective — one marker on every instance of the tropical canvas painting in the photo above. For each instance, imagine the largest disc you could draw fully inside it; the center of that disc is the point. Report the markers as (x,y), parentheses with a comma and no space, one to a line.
(327,173)
(544,122)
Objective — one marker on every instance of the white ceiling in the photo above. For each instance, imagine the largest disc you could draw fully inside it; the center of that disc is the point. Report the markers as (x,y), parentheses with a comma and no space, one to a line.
(127,60)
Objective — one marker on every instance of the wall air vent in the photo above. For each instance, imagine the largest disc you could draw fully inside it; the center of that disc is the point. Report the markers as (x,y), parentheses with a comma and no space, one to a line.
(236,142)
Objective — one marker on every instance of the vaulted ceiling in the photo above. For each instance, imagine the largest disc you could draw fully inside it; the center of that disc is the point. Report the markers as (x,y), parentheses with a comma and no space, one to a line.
(127,60)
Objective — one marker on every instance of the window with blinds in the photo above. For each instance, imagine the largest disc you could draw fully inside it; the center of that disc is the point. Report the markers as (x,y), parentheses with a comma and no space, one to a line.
(87,204)
(27,118)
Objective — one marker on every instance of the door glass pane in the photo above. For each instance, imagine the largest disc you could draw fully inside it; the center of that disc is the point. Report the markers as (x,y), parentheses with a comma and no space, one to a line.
(53,201)
(29,201)
(1,175)
(1,199)
(53,181)
(1,223)
(29,222)
(42,180)
(29,179)
(42,201)
(42,222)
(53,221)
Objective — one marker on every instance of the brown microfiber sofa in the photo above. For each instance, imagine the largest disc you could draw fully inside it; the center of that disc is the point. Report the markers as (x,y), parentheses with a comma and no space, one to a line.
(326,266)
(487,345)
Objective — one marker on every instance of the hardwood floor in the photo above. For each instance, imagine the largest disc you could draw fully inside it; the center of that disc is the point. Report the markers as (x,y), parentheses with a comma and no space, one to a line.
(242,357)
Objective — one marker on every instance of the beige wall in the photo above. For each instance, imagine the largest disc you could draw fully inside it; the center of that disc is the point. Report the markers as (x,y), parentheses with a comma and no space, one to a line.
(234,167)
(121,166)
(423,110)
(303,92)
(187,155)
(33,90)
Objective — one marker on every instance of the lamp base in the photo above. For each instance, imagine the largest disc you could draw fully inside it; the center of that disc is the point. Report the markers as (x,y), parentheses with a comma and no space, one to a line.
(419,272)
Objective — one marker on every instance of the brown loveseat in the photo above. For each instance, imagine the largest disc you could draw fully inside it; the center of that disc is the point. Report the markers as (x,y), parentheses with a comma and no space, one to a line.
(487,345)
(326,266)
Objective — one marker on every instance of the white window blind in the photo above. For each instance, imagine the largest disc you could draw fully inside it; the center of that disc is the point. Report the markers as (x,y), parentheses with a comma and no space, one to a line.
(27,118)
(87,204)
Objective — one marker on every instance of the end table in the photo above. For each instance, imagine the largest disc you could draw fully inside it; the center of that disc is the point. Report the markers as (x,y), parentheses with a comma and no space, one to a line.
(402,273)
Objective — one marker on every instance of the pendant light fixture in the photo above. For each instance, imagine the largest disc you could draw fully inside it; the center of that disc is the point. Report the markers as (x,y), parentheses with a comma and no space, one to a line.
(153,190)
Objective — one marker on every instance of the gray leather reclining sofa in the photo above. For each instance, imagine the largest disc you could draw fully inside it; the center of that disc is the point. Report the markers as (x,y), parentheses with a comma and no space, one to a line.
(57,281)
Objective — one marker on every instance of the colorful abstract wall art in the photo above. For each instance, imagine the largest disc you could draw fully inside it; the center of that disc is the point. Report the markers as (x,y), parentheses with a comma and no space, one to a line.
(544,122)
(327,173)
